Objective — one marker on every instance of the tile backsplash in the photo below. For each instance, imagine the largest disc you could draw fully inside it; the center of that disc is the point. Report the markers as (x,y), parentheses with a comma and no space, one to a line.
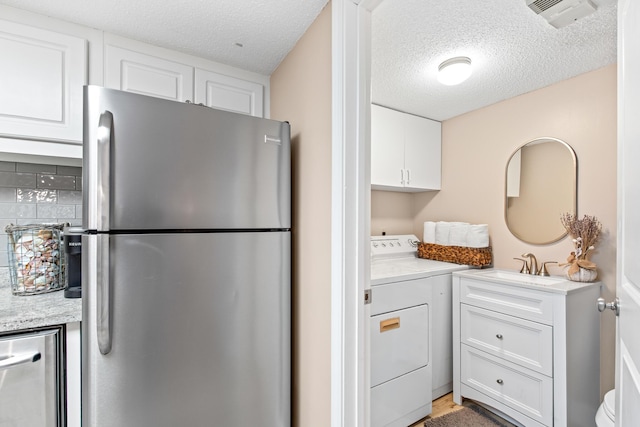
(34,193)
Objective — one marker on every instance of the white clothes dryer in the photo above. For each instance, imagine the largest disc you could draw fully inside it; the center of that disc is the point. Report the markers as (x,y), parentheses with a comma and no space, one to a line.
(410,326)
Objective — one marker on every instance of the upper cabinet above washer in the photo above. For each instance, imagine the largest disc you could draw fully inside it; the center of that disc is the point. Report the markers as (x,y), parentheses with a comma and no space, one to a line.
(405,151)
(42,75)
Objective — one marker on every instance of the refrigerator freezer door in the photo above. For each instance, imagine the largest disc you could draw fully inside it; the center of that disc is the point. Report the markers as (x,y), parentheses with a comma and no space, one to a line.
(199,327)
(169,165)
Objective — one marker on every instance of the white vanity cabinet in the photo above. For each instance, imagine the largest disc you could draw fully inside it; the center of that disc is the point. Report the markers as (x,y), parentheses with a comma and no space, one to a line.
(42,75)
(529,351)
(149,70)
(405,151)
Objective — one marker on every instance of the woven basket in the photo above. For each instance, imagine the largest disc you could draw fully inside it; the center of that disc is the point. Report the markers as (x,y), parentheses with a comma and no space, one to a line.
(477,257)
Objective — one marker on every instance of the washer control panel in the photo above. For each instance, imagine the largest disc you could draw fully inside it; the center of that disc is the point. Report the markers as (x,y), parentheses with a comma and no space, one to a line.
(393,246)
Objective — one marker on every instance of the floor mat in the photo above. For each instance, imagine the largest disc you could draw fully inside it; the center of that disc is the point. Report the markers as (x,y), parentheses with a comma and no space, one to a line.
(471,415)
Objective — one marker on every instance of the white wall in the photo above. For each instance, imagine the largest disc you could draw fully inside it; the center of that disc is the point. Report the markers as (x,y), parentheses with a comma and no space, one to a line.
(301,94)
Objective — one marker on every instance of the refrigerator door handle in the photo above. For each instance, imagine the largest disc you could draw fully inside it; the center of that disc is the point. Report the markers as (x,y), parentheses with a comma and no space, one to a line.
(103,296)
(105,132)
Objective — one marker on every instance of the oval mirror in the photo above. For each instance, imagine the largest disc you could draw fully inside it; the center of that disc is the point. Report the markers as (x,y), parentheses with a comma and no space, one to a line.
(541,185)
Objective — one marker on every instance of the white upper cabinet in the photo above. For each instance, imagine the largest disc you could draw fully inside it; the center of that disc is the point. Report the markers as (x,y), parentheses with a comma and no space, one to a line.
(147,74)
(149,70)
(387,148)
(41,81)
(405,151)
(45,62)
(228,93)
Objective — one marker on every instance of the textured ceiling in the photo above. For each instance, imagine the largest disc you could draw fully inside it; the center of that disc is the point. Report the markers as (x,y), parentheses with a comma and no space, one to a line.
(513,51)
(267,29)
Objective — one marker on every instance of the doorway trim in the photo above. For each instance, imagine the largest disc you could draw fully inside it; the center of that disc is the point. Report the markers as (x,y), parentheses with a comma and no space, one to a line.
(351,212)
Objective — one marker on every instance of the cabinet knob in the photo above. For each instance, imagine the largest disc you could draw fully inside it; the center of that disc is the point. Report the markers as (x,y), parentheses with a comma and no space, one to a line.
(499,381)
(499,336)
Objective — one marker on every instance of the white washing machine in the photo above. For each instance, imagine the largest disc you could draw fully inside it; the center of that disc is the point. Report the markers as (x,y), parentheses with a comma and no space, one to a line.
(411,347)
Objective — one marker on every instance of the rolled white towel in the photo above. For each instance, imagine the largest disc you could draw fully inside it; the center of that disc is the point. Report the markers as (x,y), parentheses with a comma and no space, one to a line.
(458,233)
(478,236)
(429,234)
(442,233)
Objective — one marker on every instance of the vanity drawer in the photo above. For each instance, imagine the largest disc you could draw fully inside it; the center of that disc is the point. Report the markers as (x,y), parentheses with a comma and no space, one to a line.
(525,303)
(526,343)
(523,390)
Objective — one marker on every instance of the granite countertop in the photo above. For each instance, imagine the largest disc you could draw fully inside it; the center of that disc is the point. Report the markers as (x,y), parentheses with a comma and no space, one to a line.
(34,311)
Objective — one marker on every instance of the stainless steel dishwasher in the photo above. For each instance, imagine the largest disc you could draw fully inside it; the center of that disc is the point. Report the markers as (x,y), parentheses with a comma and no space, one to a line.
(32,379)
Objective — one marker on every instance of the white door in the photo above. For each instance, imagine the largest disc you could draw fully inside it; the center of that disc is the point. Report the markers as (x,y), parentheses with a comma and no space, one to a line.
(628,284)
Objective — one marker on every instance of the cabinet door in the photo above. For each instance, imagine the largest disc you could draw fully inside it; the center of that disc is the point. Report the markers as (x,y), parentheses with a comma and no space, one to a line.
(387,149)
(41,81)
(228,93)
(150,75)
(422,151)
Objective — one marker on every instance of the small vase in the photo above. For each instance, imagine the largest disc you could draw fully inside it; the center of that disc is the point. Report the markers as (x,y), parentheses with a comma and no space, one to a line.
(583,275)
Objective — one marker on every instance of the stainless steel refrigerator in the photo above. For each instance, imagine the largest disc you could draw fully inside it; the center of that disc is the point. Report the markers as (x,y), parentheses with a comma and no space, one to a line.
(186,265)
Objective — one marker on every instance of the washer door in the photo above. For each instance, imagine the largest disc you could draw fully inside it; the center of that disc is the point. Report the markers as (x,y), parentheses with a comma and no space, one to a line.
(399,343)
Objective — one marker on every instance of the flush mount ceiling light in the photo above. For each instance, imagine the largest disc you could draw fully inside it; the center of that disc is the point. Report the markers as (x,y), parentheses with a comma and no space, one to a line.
(454,71)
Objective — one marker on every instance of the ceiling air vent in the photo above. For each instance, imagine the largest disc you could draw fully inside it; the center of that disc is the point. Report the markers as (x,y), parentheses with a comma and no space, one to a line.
(561,13)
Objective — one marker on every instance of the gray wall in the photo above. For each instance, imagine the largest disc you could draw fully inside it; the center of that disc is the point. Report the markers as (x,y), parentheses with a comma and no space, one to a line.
(33,193)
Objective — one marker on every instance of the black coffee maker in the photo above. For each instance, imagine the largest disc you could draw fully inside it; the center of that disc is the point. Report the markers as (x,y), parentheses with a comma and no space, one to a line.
(73,251)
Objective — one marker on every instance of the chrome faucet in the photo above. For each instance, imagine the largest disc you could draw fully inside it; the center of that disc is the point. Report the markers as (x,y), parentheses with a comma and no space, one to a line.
(532,265)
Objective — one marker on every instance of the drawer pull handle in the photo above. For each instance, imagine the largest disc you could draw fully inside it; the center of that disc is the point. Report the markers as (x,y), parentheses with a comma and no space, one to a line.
(499,336)
(499,381)
(389,324)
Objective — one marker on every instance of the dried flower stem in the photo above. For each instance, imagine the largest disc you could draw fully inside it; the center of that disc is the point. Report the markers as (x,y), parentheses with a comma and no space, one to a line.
(585,232)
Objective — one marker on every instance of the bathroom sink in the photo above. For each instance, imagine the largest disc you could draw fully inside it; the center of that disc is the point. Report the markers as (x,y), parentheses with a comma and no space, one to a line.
(528,279)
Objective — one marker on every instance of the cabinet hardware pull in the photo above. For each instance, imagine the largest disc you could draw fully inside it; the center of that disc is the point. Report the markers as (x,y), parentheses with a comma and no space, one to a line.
(499,336)
(389,324)
(499,381)
(402,176)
